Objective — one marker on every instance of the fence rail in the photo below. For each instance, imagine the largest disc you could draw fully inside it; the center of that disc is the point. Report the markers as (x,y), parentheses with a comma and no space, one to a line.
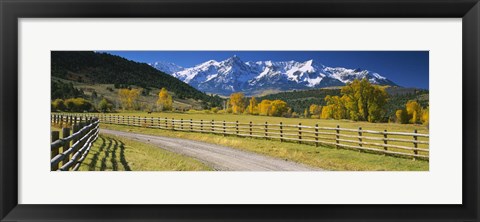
(77,138)
(412,145)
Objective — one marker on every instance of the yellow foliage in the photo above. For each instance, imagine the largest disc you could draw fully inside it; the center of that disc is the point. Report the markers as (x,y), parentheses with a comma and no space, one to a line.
(364,101)
(278,108)
(165,100)
(327,112)
(414,111)
(264,107)
(315,110)
(128,97)
(337,109)
(237,101)
(425,116)
(252,107)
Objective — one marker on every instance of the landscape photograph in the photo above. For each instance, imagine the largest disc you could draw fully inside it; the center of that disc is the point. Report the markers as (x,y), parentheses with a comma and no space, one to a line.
(239,110)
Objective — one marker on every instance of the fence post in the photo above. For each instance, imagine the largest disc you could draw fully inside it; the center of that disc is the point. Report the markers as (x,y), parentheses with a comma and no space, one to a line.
(145,121)
(360,136)
(181,124)
(224,131)
(360,133)
(191,125)
(55,137)
(316,135)
(266,130)
(250,129)
(385,139)
(151,121)
(75,128)
(236,127)
(173,123)
(213,123)
(166,123)
(281,132)
(415,144)
(201,125)
(66,146)
(337,137)
(299,132)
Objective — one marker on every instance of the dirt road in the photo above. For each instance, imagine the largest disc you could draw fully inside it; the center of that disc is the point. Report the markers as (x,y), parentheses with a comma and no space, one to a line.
(219,157)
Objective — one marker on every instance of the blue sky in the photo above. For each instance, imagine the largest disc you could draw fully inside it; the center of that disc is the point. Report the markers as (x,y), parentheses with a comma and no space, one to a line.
(406,68)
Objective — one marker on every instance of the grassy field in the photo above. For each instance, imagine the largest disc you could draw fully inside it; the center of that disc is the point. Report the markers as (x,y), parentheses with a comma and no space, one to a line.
(111,153)
(322,157)
(198,115)
(390,127)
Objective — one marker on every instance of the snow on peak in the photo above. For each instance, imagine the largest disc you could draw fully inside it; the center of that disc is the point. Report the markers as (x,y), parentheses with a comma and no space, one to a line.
(166,67)
(233,75)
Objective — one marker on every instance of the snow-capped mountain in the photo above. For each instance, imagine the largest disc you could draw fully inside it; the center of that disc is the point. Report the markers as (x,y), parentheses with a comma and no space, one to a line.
(166,67)
(235,75)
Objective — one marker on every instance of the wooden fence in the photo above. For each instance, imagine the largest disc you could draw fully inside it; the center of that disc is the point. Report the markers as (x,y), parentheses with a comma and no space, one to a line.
(77,137)
(412,145)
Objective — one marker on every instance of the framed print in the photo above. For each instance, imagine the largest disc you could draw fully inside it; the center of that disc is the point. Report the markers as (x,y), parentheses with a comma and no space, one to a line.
(225,110)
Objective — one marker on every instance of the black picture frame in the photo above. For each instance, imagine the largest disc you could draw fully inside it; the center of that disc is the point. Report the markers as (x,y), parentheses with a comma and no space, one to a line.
(11,11)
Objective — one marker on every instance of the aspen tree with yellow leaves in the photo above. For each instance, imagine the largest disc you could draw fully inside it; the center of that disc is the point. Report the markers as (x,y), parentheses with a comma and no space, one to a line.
(128,98)
(252,107)
(165,101)
(315,111)
(414,110)
(237,101)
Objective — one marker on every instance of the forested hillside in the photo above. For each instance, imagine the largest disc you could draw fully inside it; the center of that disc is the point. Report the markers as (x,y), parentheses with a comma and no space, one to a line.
(101,68)
(400,96)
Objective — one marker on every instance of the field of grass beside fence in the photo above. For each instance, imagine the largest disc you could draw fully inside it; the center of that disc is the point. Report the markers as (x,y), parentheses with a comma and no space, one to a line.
(325,158)
(403,144)
(276,120)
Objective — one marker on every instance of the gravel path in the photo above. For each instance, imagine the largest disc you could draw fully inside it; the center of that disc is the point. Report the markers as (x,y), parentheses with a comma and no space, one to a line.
(219,157)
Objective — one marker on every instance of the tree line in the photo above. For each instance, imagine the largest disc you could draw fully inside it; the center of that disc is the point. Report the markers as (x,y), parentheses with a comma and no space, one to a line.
(358,101)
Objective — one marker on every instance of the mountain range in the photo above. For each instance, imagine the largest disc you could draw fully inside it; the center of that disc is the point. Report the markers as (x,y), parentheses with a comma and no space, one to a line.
(254,77)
